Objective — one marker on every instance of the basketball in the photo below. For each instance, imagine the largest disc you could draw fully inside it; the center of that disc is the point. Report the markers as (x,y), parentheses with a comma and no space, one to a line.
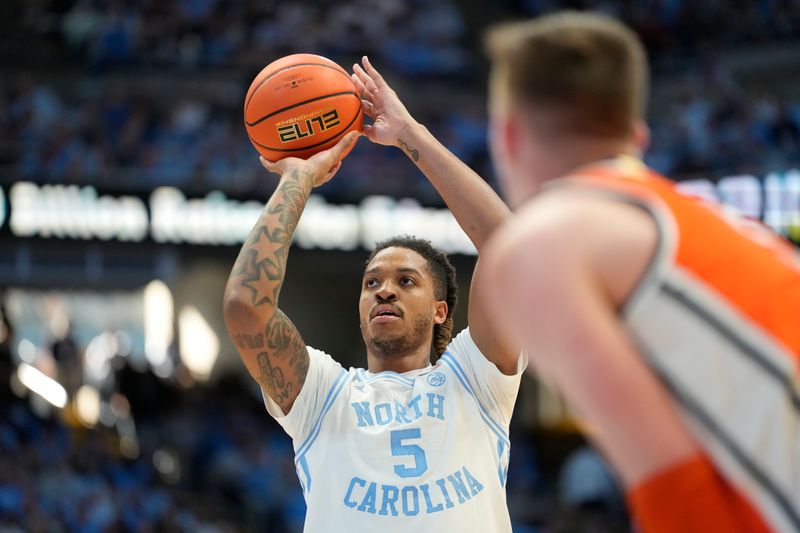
(299,105)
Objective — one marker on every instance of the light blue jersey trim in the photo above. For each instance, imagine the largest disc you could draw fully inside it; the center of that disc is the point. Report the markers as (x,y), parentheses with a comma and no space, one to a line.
(337,387)
(502,473)
(450,361)
(303,464)
(386,375)
(503,442)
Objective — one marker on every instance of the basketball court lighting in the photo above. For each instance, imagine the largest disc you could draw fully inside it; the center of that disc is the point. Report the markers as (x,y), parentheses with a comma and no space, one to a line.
(97,356)
(158,318)
(46,387)
(199,344)
(26,351)
(129,446)
(87,405)
(167,464)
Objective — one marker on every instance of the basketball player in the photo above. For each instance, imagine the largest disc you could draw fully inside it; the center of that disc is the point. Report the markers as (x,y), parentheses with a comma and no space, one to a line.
(673,329)
(403,445)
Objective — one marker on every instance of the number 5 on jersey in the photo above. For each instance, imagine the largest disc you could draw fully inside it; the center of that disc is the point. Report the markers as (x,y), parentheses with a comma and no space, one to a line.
(399,448)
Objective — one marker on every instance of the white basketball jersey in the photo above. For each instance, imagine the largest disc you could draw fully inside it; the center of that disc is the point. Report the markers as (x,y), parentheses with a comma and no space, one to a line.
(425,450)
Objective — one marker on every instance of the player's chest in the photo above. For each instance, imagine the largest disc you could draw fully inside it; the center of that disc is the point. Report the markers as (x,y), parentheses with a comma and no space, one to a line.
(390,402)
(379,417)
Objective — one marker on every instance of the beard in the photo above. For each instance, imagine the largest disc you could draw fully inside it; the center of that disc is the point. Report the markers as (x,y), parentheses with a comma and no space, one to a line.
(393,346)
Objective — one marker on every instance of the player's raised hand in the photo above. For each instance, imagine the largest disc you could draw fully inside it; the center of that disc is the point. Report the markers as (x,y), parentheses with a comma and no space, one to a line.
(381,103)
(321,166)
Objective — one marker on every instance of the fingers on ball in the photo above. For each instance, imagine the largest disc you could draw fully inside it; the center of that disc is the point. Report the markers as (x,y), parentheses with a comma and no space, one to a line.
(369,109)
(361,87)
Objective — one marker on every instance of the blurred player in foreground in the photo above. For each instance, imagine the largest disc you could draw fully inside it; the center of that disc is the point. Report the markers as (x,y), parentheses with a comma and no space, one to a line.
(672,328)
(404,445)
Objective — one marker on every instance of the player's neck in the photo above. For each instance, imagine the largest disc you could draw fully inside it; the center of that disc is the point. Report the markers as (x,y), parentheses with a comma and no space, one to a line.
(400,363)
(574,154)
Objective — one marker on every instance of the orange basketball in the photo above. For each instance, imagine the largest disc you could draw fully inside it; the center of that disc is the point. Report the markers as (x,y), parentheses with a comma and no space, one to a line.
(299,105)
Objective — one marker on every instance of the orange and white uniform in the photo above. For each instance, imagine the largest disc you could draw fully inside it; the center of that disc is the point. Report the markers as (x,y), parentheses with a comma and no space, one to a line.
(717,318)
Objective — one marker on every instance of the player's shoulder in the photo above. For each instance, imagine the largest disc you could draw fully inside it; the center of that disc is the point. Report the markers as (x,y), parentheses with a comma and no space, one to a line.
(568,224)
(563,231)
(323,365)
(565,209)
(463,350)
(461,341)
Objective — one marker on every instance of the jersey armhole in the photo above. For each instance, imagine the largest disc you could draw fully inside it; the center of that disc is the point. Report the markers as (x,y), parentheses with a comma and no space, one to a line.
(302,398)
(649,281)
(666,241)
(309,406)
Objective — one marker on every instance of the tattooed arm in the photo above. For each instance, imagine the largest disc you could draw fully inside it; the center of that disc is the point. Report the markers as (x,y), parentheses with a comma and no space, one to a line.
(269,344)
(476,207)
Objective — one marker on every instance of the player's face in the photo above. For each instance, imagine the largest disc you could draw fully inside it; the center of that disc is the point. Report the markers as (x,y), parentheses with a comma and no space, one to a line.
(398,307)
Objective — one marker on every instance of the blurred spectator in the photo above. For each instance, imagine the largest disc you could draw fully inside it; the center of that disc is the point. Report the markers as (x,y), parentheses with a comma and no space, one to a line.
(125,131)
(210,469)
(586,481)
(589,500)
(130,140)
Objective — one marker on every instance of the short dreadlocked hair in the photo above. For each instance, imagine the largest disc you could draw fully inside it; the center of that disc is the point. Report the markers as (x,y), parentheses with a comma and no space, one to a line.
(444,283)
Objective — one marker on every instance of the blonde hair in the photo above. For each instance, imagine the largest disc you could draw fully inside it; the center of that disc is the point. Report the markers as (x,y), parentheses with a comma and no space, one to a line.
(591,70)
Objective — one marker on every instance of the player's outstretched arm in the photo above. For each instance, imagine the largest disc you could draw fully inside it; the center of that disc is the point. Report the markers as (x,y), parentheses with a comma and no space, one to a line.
(476,207)
(269,344)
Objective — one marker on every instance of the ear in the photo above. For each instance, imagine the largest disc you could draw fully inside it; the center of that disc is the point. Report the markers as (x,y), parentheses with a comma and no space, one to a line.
(513,135)
(505,136)
(440,312)
(641,136)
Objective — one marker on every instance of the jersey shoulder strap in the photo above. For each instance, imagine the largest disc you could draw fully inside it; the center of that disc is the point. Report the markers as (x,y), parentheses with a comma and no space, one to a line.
(751,267)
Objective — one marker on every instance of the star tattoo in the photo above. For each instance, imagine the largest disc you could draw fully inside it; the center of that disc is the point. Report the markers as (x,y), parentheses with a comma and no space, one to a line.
(274,224)
(265,249)
(263,287)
